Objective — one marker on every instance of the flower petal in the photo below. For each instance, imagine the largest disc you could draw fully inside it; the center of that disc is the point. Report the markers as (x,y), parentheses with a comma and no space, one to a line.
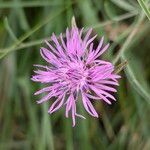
(88,106)
(98,92)
(57,104)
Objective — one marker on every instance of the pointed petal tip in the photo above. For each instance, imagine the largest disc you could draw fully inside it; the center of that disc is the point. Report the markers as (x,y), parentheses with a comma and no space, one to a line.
(115,100)
(108,102)
(41,50)
(38,102)
(31,78)
(102,38)
(80,116)
(83,117)
(45,41)
(97,116)
(73,124)
(108,44)
(49,112)
(91,29)
(36,93)
(66,116)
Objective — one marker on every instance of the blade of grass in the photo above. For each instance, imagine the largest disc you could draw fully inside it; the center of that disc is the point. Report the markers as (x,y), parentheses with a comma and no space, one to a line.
(83,137)
(22,17)
(33,131)
(108,126)
(141,111)
(134,82)
(117,19)
(131,76)
(124,5)
(15,145)
(9,4)
(89,17)
(9,30)
(69,12)
(111,9)
(33,30)
(120,67)
(46,125)
(40,41)
(128,41)
(69,135)
(8,88)
(145,8)
(8,79)
(46,131)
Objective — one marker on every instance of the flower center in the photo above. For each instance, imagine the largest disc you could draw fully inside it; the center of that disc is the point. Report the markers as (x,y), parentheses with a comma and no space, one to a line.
(76,76)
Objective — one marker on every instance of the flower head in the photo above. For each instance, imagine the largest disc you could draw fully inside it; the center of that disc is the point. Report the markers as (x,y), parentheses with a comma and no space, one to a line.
(74,68)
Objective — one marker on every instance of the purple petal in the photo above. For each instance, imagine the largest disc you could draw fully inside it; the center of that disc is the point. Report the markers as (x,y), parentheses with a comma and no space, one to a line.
(57,104)
(97,91)
(88,106)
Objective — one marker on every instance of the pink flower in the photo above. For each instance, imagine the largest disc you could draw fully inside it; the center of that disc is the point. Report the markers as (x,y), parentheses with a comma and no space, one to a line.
(74,69)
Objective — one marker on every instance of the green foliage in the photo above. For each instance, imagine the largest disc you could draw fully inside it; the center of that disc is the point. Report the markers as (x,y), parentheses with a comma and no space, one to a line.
(145,7)
(25,125)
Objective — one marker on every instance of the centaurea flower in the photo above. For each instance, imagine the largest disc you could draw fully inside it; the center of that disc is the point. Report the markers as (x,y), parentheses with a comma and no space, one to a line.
(74,68)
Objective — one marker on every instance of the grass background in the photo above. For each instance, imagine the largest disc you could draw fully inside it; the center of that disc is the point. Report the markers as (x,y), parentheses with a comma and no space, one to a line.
(24,125)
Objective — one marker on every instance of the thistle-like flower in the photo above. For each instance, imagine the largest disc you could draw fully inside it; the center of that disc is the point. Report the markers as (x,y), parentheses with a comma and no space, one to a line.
(74,69)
